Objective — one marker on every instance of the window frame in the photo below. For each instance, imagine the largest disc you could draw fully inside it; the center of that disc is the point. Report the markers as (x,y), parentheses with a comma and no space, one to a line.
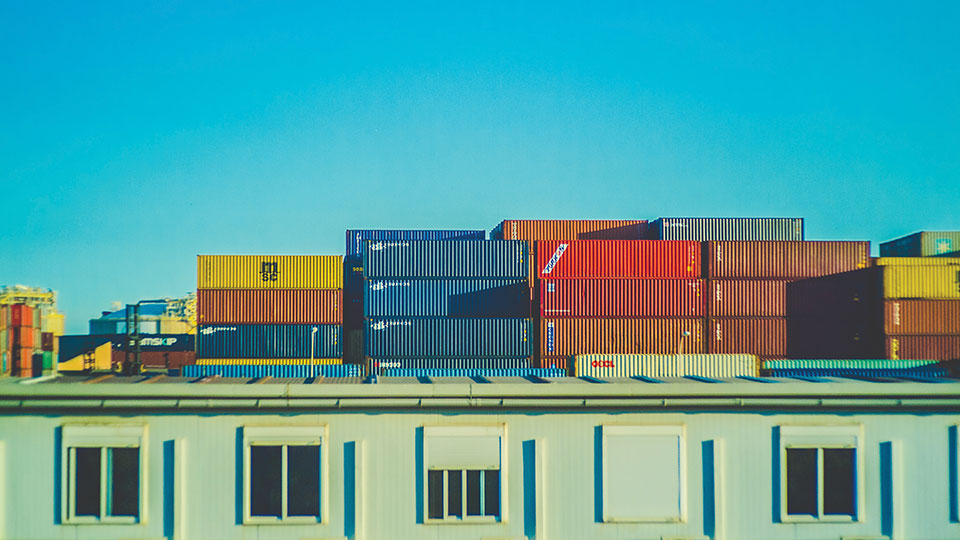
(285,436)
(678,430)
(821,437)
(102,437)
(429,432)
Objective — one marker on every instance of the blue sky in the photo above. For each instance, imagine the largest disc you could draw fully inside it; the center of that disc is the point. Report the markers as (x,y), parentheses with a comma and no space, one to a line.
(137,135)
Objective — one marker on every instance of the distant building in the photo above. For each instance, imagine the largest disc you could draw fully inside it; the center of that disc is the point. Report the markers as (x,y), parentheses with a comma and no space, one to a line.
(174,316)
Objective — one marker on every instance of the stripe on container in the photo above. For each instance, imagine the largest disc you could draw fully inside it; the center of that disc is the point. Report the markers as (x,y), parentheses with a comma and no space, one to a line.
(269,272)
(418,338)
(446,298)
(785,260)
(618,259)
(269,341)
(474,372)
(403,259)
(621,298)
(568,337)
(264,306)
(673,365)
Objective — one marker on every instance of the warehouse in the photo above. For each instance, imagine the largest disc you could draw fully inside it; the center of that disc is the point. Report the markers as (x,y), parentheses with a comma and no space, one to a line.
(103,456)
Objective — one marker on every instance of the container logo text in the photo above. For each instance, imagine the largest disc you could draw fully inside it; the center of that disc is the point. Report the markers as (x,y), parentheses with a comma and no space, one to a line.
(555,259)
(550,337)
(269,271)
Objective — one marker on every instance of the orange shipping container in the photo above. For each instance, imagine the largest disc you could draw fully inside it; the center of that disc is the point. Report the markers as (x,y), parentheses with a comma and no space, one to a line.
(921,316)
(567,337)
(784,260)
(766,338)
(609,298)
(747,298)
(22,337)
(923,347)
(270,306)
(21,315)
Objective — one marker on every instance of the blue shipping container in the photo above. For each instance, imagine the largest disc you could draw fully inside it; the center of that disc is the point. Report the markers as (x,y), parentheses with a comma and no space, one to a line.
(478,372)
(269,341)
(454,338)
(446,298)
(404,259)
(356,237)
(253,372)
(379,365)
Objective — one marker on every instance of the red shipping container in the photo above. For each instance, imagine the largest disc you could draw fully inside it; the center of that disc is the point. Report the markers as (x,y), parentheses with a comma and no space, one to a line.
(618,259)
(22,336)
(567,337)
(923,347)
(621,298)
(766,338)
(157,359)
(921,316)
(21,315)
(747,298)
(785,260)
(270,306)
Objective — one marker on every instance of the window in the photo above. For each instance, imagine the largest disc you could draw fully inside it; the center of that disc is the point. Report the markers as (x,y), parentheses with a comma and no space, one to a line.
(104,474)
(463,470)
(283,474)
(644,474)
(820,473)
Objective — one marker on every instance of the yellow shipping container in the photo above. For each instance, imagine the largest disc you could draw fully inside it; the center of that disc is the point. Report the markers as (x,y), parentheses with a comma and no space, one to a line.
(269,272)
(931,282)
(917,261)
(267,361)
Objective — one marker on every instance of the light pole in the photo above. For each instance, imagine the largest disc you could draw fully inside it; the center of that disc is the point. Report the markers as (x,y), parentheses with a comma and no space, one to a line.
(686,334)
(312,341)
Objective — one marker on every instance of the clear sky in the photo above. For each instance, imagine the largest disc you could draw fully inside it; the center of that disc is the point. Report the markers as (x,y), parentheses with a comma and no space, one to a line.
(136,135)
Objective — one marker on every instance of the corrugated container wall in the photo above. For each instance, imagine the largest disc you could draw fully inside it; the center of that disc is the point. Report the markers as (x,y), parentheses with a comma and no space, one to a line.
(618,259)
(856,368)
(21,315)
(916,261)
(923,347)
(921,316)
(474,372)
(570,229)
(253,372)
(269,341)
(705,229)
(921,281)
(446,298)
(658,365)
(269,272)
(356,237)
(377,365)
(759,336)
(622,298)
(411,259)
(455,338)
(266,361)
(266,306)
(922,244)
(785,260)
(747,298)
(569,337)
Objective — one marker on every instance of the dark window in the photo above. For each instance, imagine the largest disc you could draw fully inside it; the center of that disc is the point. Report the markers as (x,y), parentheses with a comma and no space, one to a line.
(125,481)
(435,494)
(473,493)
(454,493)
(87,492)
(802,481)
(265,480)
(491,496)
(303,480)
(839,481)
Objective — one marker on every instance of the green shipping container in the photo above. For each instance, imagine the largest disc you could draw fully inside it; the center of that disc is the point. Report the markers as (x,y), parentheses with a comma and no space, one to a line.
(922,244)
(47,360)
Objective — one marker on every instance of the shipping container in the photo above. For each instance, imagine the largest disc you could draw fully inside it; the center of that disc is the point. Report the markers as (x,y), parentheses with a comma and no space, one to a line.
(71,346)
(356,237)
(446,298)
(378,365)
(921,316)
(922,244)
(665,365)
(255,372)
(269,341)
(727,229)
(455,338)
(474,372)
(618,259)
(854,368)
(783,260)
(763,337)
(22,336)
(621,298)
(46,341)
(21,315)
(747,297)
(264,306)
(266,361)
(916,261)
(47,360)
(4,317)
(921,281)
(923,347)
(493,259)
(569,337)
(570,229)
(155,359)
(269,272)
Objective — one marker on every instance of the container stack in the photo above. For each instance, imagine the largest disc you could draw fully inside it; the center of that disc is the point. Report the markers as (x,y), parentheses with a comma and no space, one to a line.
(923,244)
(900,309)
(20,344)
(353,275)
(618,297)
(255,308)
(446,304)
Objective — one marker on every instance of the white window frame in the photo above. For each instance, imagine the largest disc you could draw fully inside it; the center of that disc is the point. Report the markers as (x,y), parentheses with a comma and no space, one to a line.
(613,430)
(103,437)
(286,436)
(821,437)
(498,431)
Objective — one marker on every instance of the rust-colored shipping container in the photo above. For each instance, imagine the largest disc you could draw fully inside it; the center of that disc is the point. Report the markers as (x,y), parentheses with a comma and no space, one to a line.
(621,298)
(22,336)
(558,362)
(747,298)
(921,316)
(618,259)
(763,337)
(784,260)
(270,306)
(21,315)
(4,315)
(157,359)
(923,347)
(567,337)
(570,229)
(46,341)
(21,356)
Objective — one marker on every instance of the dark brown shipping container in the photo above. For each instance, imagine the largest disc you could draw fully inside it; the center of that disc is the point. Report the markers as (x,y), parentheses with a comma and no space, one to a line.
(785,260)
(747,298)
(46,341)
(270,306)
(763,337)
(923,347)
(567,337)
(921,316)
(157,359)
(621,298)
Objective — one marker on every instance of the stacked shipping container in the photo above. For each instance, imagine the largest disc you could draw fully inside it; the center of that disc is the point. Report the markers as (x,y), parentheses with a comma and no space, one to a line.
(20,344)
(923,244)
(283,308)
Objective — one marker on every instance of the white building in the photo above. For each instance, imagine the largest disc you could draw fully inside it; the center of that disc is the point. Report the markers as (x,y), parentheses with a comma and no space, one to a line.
(759,459)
